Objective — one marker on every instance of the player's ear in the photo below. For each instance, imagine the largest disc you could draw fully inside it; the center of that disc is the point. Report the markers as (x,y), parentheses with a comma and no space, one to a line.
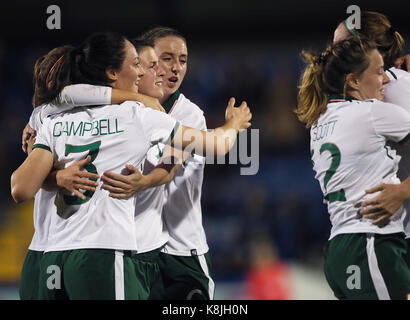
(352,81)
(111,74)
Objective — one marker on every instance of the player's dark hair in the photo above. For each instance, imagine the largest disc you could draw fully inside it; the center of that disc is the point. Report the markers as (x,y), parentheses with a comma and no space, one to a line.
(325,75)
(98,53)
(377,27)
(51,75)
(152,35)
(141,44)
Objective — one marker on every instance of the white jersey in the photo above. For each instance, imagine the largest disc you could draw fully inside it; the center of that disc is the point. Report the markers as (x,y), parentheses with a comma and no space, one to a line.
(113,135)
(350,155)
(182,211)
(44,207)
(397,91)
(149,226)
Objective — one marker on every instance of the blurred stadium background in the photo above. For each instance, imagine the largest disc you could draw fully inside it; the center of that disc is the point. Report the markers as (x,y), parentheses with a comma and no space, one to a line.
(274,221)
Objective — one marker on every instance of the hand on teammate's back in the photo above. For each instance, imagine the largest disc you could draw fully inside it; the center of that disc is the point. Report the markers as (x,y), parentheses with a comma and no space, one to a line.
(384,205)
(28,133)
(74,179)
(403,63)
(29,144)
(123,186)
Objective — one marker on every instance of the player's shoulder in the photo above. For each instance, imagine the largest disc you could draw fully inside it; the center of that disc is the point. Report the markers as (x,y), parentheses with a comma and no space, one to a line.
(382,108)
(397,74)
(132,108)
(371,104)
(132,104)
(187,104)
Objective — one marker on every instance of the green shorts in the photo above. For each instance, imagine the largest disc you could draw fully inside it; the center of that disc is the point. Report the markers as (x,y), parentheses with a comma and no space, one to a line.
(408,252)
(183,278)
(29,280)
(368,266)
(88,274)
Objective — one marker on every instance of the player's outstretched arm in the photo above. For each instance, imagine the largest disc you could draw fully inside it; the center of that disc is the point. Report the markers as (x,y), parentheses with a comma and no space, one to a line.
(219,141)
(78,95)
(28,178)
(119,96)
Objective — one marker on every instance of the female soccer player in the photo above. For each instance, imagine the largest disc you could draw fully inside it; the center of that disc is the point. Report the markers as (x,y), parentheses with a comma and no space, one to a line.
(390,44)
(338,100)
(90,239)
(184,260)
(47,86)
(150,230)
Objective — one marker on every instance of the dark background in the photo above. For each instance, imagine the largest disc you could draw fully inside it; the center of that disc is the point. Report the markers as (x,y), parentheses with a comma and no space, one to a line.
(246,49)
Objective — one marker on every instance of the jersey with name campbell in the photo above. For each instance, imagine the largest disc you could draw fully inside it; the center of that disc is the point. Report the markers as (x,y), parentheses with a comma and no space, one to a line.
(350,155)
(182,212)
(71,96)
(113,135)
(397,91)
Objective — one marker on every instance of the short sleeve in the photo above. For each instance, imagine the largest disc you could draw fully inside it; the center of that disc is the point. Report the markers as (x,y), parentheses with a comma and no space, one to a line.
(157,126)
(35,118)
(391,121)
(398,90)
(43,138)
(78,95)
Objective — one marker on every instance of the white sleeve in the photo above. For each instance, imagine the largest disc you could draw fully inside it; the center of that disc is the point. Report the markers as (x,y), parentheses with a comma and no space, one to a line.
(391,121)
(398,90)
(78,95)
(43,138)
(35,120)
(157,126)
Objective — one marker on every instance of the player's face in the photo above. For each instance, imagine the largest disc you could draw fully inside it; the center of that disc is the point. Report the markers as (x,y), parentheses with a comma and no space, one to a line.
(172,53)
(131,71)
(341,33)
(371,82)
(151,83)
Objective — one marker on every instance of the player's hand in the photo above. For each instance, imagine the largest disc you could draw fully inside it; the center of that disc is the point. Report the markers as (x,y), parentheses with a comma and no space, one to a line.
(124,186)
(152,103)
(403,63)
(73,178)
(30,144)
(384,205)
(240,116)
(28,132)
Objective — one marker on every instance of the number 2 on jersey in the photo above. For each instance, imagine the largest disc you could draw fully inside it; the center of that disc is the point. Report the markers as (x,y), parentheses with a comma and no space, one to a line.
(335,154)
(94,148)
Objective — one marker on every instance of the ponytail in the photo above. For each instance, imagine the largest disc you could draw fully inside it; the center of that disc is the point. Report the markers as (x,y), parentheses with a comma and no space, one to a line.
(312,101)
(326,74)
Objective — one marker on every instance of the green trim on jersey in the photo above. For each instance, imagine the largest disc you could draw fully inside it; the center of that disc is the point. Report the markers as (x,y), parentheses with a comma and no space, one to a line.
(392,73)
(41,146)
(171,100)
(404,140)
(336,196)
(171,136)
(340,97)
